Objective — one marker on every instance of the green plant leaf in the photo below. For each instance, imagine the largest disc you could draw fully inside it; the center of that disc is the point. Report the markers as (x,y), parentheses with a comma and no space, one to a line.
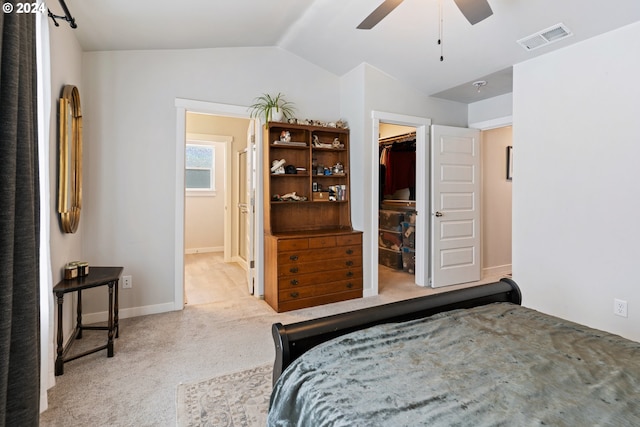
(264,104)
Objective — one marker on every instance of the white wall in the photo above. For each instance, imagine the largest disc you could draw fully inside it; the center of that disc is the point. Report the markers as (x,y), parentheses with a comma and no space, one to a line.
(577,181)
(66,69)
(366,89)
(130,131)
(492,112)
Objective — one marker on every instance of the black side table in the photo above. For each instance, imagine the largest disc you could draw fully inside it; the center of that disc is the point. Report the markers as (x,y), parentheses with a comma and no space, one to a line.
(98,276)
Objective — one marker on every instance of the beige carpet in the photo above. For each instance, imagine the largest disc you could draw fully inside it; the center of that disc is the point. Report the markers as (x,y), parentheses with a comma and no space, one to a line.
(240,399)
(155,353)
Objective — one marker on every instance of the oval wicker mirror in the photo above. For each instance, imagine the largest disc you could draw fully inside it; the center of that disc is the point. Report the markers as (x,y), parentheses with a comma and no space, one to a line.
(70,163)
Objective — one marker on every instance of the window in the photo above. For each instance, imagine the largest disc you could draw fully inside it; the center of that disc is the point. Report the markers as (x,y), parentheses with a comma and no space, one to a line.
(199,168)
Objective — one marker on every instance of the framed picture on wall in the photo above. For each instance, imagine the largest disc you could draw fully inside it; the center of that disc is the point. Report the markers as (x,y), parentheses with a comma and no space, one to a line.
(509,163)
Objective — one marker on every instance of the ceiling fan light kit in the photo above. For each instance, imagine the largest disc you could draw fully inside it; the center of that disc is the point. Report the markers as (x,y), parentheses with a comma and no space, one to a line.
(479,84)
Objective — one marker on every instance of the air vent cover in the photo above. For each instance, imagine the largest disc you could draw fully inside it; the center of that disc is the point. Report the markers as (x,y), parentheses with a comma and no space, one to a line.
(545,37)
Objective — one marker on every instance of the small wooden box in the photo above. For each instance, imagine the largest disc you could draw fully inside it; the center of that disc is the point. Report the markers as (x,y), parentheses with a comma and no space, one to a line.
(320,196)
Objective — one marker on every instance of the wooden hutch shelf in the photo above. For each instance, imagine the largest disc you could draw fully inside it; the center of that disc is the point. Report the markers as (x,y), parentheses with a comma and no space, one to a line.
(312,254)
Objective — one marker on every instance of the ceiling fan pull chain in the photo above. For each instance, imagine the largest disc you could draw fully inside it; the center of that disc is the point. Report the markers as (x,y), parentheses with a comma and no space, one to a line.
(440,24)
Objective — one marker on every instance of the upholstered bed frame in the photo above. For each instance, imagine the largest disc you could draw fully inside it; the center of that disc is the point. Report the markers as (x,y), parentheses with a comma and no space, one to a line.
(293,340)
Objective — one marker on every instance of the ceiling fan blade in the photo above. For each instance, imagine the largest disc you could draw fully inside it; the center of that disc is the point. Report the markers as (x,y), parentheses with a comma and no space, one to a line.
(378,15)
(474,10)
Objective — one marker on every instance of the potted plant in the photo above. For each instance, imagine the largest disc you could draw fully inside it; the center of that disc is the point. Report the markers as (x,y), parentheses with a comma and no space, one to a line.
(272,108)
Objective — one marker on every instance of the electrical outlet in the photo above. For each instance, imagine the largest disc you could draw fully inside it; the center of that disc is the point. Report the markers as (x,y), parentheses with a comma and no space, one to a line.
(127,282)
(620,307)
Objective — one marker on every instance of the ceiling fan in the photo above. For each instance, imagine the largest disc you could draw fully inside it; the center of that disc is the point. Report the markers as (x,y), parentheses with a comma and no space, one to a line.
(474,10)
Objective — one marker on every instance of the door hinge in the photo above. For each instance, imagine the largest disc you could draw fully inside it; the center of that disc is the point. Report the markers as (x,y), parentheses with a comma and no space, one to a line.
(252,264)
(253,139)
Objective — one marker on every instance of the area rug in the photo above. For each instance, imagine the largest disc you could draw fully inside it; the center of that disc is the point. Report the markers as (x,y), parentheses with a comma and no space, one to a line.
(240,399)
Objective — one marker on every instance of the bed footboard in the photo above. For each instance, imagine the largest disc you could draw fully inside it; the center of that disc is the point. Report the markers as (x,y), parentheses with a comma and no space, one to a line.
(292,340)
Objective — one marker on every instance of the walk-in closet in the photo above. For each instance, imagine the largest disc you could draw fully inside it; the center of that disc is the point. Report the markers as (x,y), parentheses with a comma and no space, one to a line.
(397,197)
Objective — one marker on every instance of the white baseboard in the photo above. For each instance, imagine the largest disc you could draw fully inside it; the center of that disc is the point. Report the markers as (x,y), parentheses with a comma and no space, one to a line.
(124,313)
(499,270)
(240,261)
(368,292)
(203,250)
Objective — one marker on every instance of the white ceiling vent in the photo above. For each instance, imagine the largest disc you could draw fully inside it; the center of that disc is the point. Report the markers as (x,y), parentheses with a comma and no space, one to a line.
(545,37)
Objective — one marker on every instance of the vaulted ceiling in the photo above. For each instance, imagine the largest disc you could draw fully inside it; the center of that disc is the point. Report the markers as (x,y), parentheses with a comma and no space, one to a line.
(403,45)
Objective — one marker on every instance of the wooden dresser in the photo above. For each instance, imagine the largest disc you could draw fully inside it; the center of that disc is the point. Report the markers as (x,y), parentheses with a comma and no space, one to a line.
(312,254)
(310,269)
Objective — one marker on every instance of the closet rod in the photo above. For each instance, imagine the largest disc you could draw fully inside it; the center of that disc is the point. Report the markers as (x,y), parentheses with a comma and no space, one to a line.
(398,138)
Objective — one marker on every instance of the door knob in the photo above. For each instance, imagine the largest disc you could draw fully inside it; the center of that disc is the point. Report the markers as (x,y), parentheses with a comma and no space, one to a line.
(439,214)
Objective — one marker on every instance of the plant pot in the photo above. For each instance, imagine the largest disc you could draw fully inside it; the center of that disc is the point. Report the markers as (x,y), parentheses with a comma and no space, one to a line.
(276,115)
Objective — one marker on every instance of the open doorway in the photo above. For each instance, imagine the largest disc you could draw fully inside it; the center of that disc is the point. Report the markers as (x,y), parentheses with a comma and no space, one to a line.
(421,126)
(496,202)
(213,238)
(246,138)
(397,205)
(422,235)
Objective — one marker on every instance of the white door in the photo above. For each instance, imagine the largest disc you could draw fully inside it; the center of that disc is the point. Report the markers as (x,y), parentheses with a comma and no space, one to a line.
(249,199)
(455,205)
(243,208)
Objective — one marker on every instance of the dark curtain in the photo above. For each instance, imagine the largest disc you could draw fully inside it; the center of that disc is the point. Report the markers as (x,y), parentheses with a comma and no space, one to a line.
(19,222)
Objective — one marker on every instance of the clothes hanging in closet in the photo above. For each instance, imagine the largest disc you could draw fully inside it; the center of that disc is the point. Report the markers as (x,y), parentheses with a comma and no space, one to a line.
(398,167)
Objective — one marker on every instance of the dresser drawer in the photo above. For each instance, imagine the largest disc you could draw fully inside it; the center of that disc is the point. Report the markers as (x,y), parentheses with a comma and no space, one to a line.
(292,244)
(322,242)
(349,239)
(318,290)
(301,280)
(293,269)
(318,254)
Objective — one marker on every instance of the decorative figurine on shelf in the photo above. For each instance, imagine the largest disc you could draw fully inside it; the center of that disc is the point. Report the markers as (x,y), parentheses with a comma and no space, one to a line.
(277,166)
(289,197)
(285,136)
(338,169)
(290,170)
(337,144)
(318,144)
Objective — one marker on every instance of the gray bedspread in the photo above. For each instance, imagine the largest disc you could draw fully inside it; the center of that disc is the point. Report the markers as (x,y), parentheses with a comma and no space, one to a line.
(495,365)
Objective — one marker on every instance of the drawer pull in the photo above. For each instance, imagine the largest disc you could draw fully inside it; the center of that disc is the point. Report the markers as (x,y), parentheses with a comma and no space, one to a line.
(294,282)
(294,294)
(293,257)
(293,270)
(349,251)
(349,285)
(349,263)
(350,273)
